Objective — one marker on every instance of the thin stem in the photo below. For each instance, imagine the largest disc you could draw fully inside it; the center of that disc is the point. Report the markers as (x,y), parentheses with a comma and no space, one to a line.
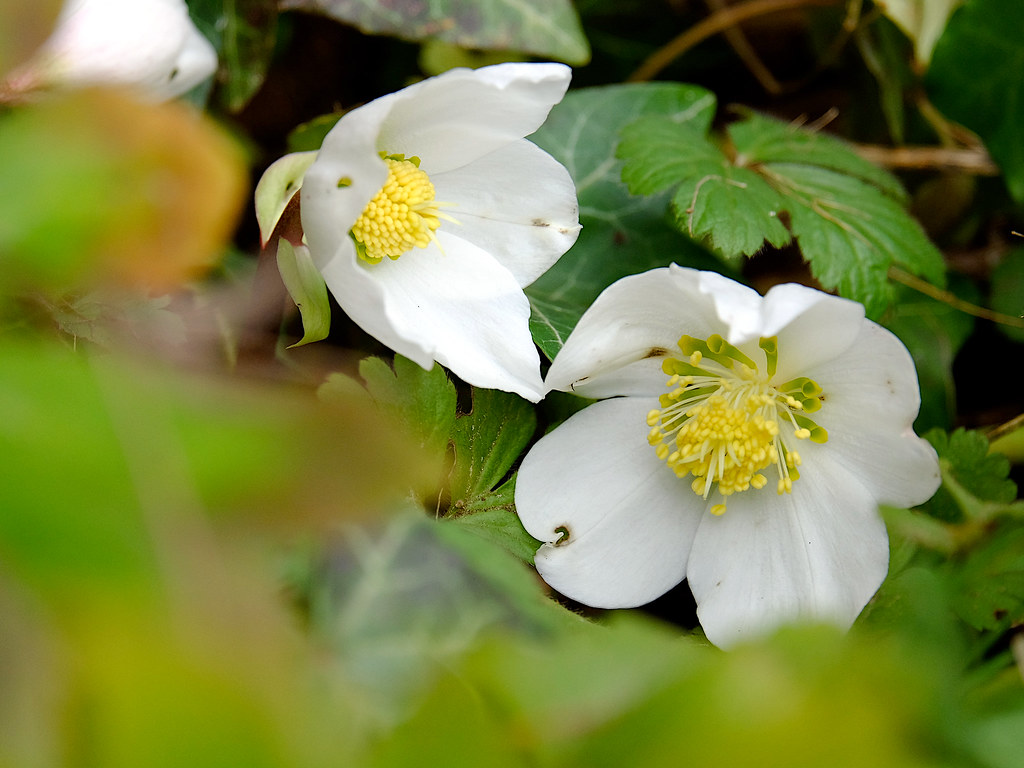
(719,21)
(949,299)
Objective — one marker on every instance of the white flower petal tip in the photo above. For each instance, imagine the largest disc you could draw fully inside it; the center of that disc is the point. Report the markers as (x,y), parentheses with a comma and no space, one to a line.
(427,212)
(151,45)
(749,442)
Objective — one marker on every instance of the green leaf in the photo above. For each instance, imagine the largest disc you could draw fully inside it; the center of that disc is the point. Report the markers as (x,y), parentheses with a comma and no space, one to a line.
(493,516)
(976,78)
(622,234)
(488,440)
(973,477)
(847,215)
(422,401)
(244,33)
(308,290)
(990,580)
(1007,286)
(545,28)
(277,187)
(851,235)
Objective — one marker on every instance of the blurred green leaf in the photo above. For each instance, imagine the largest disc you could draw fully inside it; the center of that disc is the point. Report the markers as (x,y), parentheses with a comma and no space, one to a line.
(1007,291)
(545,28)
(976,78)
(847,215)
(973,477)
(244,33)
(308,290)
(622,235)
(989,591)
(98,187)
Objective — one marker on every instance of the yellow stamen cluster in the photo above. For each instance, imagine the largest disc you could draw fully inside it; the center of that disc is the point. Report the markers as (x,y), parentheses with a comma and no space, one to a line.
(403,215)
(721,421)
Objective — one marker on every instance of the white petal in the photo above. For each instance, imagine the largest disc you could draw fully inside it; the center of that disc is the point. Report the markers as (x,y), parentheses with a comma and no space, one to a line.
(871,401)
(149,43)
(812,326)
(818,554)
(517,203)
(336,188)
(630,521)
(455,305)
(617,346)
(463,114)
(735,305)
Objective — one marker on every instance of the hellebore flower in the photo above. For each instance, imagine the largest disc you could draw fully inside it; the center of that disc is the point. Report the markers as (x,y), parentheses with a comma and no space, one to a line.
(427,212)
(150,44)
(756,474)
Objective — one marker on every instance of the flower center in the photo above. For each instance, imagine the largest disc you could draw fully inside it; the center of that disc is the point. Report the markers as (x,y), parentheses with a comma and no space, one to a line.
(725,420)
(403,215)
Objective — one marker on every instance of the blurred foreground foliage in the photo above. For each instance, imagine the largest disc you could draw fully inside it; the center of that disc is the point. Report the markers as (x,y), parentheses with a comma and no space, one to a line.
(213,550)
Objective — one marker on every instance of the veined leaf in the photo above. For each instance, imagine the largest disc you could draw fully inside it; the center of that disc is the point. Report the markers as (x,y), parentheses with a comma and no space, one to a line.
(622,234)
(547,28)
(771,182)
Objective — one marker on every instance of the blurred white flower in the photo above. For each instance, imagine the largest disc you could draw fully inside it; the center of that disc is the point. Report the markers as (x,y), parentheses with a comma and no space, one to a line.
(427,213)
(150,44)
(756,474)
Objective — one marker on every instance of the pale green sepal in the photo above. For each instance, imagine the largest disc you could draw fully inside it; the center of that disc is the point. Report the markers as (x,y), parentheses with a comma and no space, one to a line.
(307,289)
(277,187)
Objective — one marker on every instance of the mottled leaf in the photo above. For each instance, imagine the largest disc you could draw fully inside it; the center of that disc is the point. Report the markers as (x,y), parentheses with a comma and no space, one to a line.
(546,28)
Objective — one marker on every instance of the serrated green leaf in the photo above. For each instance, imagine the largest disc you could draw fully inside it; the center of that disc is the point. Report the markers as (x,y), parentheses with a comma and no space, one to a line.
(760,140)
(965,460)
(733,209)
(990,580)
(851,234)
(846,214)
(308,290)
(976,78)
(488,440)
(424,401)
(546,28)
(622,234)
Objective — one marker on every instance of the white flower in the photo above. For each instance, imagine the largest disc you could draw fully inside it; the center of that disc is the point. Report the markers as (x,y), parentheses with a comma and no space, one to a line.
(756,474)
(150,44)
(439,179)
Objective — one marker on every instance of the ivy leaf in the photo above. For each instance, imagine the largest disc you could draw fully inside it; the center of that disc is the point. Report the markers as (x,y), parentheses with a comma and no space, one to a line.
(973,477)
(245,33)
(308,290)
(976,78)
(774,181)
(545,28)
(622,234)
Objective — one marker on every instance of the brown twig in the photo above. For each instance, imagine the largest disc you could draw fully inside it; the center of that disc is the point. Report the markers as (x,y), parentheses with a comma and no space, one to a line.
(719,21)
(921,286)
(973,160)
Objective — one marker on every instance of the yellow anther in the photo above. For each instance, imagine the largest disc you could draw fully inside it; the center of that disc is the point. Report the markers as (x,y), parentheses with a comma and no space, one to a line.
(724,423)
(718,510)
(403,215)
